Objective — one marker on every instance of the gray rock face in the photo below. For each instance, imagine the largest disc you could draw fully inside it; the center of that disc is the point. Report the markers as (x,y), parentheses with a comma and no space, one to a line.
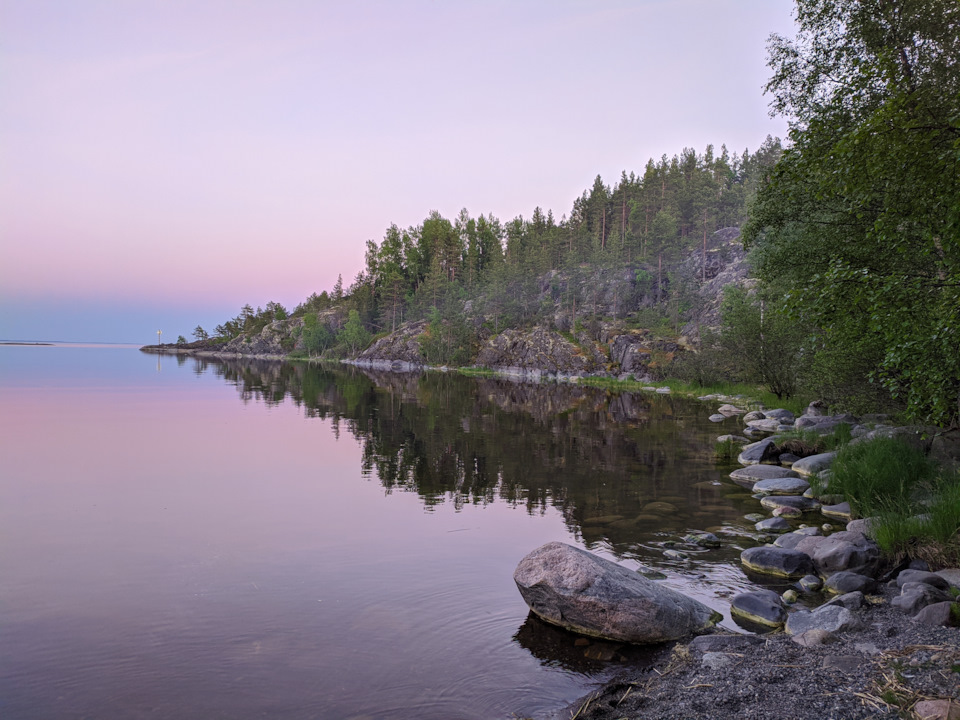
(784,485)
(579,591)
(539,350)
(813,464)
(847,582)
(760,606)
(777,561)
(842,551)
(831,618)
(753,415)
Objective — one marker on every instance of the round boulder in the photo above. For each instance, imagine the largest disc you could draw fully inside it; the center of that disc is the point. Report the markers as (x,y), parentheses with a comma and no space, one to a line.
(580,591)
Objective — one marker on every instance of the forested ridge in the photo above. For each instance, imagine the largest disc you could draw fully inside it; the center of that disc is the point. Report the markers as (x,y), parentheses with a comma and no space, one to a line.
(853,230)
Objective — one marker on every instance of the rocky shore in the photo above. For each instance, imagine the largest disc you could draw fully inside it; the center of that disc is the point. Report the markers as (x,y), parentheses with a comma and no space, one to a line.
(852,637)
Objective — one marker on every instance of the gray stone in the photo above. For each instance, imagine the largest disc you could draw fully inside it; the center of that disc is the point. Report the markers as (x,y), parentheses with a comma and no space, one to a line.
(851,600)
(841,511)
(784,485)
(814,638)
(784,416)
(754,517)
(916,596)
(772,525)
(789,596)
(760,606)
(798,502)
(716,660)
(945,614)
(724,643)
(817,408)
(831,618)
(703,539)
(847,582)
(749,476)
(717,418)
(765,425)
(921,576)
(735,439)
(811,583)
(809,531)
(757,452)
(842,551)
(843,663)
(777,561)
(789,540)
(951,575)
(577,590)
(785,511)
(788,459)
(753,415)
(730,410)
(813,464)
(861,526)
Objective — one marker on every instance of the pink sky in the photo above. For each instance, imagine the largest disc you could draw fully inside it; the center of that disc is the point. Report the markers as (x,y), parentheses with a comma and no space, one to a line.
(166,162)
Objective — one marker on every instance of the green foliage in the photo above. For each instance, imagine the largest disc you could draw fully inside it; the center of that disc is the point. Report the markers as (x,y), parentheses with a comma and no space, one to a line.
(880,472)
(353,335)
(181,340)
(861,217)
(914,506)
(199,333)
(447,341)
(761,341)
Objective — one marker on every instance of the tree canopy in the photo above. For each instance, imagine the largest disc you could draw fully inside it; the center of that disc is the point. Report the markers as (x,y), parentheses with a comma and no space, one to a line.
(860,219)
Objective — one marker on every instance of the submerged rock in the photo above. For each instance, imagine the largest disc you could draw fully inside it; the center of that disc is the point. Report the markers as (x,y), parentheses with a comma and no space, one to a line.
(585,593)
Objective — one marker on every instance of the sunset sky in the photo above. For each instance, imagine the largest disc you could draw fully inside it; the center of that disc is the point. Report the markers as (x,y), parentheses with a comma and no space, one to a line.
(163,163)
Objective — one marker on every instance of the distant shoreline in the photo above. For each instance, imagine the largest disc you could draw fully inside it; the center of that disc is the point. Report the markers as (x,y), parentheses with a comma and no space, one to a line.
(26,343)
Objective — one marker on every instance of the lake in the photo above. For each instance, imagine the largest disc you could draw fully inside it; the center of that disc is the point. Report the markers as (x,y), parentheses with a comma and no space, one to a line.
(182,538)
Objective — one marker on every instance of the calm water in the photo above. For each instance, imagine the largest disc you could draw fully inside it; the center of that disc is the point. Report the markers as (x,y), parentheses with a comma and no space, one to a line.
(188,539)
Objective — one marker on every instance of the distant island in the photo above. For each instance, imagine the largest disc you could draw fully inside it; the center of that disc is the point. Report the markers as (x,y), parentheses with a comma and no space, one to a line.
(26,343)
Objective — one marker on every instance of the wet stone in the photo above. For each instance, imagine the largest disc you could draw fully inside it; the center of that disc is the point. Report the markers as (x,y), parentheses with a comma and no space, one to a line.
(786,511)
(851,600)
(814,463)
(777,561)
(782,485)
(776,525)
(811,583)
(797,502)
(788,540)
(841,511)
(717,418)
(760,606)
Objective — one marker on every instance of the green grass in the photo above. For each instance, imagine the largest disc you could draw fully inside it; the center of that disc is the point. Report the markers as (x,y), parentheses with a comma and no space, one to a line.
(915,505)
(805,442)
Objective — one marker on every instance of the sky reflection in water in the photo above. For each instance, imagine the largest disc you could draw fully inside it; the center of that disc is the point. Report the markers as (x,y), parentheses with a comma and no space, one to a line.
(170,551)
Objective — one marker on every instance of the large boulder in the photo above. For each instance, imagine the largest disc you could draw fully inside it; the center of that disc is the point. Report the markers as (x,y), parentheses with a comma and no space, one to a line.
(759,452)
(579,591)
(832,618)
(760,606)
(843,550)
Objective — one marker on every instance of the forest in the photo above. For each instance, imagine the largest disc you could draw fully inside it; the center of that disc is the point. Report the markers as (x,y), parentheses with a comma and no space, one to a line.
(852,224)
